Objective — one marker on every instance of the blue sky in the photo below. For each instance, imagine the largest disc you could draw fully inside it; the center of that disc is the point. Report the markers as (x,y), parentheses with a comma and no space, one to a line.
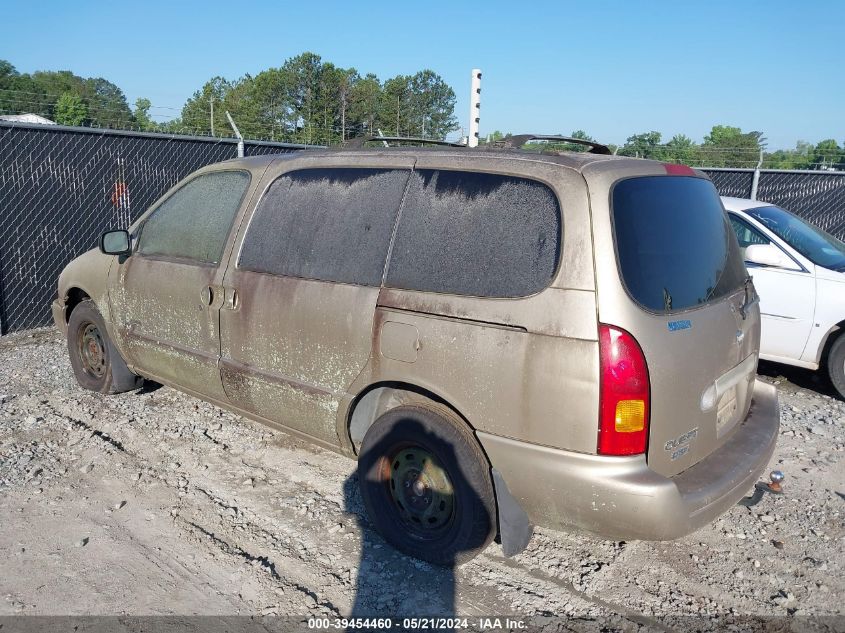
(611,68)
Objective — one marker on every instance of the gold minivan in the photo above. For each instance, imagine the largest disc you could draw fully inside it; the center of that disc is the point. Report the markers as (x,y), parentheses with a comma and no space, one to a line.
(502,338)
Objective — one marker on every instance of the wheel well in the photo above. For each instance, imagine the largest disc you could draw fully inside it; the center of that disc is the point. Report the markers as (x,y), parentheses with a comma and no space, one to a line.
(75,296)
(835,332)
(381,397)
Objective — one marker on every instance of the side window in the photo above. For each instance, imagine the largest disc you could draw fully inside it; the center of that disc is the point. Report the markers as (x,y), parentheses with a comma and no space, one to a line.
(746,234)
(331,224)
(476,234)
(194,222)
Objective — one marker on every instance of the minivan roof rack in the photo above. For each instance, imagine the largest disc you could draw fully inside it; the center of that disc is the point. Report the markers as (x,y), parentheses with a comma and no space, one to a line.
(518,140)
(360,140)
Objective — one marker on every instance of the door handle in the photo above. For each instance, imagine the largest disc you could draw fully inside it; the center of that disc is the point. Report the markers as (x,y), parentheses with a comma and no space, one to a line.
(231,298)
(207,295)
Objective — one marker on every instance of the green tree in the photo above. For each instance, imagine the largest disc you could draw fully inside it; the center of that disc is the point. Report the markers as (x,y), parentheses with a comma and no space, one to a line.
(107,105)
(364,98)
(142,114)
(798,158)
(417,105)
(728,146)
(309,100)
(70,109)
(826,155)
(431,106)
(578,147)
(681,149)
(303,73)
(645,145)
(394,114)
(196,113)
(19,95)
(272,90)
(493,137)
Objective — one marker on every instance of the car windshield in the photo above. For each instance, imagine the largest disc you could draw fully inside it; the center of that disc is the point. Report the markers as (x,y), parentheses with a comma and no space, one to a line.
(819,247)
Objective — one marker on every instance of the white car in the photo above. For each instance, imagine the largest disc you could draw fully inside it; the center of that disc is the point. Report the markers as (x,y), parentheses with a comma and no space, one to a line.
(799,274)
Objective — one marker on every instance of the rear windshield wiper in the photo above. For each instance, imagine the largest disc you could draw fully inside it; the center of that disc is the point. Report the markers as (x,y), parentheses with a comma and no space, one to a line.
(667,300)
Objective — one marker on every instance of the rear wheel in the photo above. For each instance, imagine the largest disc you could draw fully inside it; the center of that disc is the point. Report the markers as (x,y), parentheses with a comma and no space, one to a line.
(836,364)
(96,363)
(426,485)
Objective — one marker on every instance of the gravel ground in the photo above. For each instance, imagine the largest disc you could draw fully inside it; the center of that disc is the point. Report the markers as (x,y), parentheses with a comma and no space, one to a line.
(157,503)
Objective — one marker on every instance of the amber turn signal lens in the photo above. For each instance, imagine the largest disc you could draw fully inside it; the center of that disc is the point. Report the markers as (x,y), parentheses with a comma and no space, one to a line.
(630,416)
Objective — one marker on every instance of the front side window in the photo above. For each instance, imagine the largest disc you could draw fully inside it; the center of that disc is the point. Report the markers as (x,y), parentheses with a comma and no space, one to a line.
(329,224)
(746,234)
(194,222)
(477,234)
(819,247)
(675,247)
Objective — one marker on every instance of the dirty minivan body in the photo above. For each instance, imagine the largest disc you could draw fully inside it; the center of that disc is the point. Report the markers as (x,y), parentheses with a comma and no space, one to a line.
(501,338)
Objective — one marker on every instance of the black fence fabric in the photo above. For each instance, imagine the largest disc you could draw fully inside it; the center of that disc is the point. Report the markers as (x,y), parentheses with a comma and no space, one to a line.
(60,188)
(734,183)
(817,196)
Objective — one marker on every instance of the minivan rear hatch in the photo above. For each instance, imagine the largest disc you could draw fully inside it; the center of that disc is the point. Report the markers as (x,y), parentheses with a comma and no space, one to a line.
(669,272)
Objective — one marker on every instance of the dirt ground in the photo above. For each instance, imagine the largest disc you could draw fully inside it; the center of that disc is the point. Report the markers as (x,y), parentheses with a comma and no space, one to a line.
(157,503)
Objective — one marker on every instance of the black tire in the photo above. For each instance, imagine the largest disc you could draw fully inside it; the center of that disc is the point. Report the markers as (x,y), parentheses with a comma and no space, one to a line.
(432,524)
(836,365)
(96,363)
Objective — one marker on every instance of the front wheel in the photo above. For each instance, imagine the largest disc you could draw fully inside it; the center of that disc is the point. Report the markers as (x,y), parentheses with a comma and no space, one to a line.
(96,363)
(426,485)
(836,365)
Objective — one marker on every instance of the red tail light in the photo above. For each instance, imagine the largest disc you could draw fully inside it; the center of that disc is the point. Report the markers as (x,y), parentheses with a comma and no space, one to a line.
(624,405)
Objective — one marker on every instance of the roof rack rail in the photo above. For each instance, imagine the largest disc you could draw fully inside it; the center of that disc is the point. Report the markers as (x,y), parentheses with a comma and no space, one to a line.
(518,140)
(360,140)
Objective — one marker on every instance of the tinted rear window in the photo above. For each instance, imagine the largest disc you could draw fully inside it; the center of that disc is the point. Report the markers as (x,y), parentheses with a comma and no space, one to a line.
(470,233)
(329,224)
(675,246)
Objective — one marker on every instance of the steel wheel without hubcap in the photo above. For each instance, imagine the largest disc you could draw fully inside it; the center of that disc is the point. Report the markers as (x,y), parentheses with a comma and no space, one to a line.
(426,485)
(420,489)
(92,350)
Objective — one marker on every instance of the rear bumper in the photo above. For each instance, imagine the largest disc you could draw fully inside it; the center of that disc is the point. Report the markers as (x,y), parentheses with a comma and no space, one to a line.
(620,497)
(58,308)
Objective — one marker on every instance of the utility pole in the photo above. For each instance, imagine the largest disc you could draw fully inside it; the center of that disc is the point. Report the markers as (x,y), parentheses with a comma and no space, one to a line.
(211,101)
(398,98)
(474,108)
(343,117)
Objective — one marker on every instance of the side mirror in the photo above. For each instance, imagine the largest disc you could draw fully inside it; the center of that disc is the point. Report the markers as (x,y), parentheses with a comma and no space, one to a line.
(116,243)
(769,255)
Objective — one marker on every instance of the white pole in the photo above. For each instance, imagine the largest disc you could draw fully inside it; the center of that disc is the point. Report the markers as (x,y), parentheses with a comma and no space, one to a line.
(474,108)
(755,179)
(380,134)
(237,134)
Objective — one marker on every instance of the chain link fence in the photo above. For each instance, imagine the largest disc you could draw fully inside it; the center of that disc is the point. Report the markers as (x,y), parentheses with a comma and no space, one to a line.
(817,196)
(60,188)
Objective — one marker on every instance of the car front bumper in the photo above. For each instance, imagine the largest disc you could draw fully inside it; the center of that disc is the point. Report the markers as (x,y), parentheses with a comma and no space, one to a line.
(620,497)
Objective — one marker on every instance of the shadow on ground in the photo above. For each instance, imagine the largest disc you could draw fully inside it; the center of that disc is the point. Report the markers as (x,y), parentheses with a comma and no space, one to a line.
(390,583)
(793,377)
